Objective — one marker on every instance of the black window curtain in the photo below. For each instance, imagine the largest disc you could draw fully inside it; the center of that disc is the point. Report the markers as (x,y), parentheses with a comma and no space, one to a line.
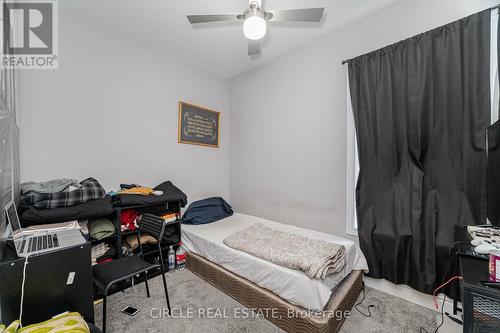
(421,108)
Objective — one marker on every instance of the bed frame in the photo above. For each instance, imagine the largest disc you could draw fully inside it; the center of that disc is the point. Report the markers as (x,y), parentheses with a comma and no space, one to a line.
(252,296)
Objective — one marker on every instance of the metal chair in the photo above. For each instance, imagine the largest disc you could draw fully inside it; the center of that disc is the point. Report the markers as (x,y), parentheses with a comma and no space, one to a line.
(122,269)
(93,328)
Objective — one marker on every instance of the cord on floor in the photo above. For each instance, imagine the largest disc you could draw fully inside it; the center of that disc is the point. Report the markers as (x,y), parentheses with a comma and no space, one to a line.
(369,305)
(450,249)
(442,314)
(423,330)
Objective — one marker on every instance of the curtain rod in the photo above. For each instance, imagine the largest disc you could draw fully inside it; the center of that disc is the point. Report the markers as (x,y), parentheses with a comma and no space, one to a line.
(345,61)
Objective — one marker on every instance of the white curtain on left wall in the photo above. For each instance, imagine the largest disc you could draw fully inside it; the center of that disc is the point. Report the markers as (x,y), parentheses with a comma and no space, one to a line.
(352,169)
(9,145)
(494,79)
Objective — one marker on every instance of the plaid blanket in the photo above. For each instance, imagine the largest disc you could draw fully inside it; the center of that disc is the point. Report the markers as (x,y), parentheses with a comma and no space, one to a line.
(89,190)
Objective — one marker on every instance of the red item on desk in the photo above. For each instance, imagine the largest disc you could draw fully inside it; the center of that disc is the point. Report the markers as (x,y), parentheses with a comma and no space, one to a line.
(104,260)
(495,266)
(127,218)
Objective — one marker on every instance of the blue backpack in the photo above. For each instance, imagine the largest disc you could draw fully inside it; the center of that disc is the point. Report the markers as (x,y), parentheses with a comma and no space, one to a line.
(207,211)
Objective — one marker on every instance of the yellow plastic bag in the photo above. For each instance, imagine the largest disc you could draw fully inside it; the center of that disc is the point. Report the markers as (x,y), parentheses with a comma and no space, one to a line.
(69,322)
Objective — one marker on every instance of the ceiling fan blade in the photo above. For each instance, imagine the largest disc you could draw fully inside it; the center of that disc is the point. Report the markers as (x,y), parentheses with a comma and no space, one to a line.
(212,18)
(297,15)
(253,47)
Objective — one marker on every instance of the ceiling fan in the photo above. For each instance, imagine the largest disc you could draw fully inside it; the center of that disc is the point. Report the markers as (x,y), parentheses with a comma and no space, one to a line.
(255,20)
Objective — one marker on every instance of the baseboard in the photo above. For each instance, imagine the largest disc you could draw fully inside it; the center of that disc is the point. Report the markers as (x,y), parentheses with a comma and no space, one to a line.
(409,294)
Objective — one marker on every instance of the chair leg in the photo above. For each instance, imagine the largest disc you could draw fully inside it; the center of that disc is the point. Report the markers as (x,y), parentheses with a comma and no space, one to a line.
(166,291)
(162,266)
(104,314)
(146,282)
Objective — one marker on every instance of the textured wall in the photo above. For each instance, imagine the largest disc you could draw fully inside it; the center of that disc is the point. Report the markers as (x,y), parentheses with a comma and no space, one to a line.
(110,111)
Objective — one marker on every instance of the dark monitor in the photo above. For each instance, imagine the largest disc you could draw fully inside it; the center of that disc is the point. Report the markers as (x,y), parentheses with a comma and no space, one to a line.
(12,217)
(11,225)
(4,234)
(493,173)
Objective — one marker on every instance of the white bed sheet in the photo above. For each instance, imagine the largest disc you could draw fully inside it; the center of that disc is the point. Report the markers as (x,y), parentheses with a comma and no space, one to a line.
(292,285)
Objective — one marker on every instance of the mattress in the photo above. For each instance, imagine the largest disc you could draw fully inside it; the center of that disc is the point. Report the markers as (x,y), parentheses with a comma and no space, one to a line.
(292,285)
(289,317)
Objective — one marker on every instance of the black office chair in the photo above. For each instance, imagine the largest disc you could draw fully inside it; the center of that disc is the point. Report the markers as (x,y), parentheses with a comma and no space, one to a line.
(122,269)
(93,328)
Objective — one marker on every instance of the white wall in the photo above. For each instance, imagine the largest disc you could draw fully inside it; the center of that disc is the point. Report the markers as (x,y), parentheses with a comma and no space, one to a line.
(288,117)
(288,122)
(110,111)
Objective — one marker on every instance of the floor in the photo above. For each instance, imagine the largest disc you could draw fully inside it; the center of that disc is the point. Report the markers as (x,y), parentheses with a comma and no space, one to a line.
(197,306)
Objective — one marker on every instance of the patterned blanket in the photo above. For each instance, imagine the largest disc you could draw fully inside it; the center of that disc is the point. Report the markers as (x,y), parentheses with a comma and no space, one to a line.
(317,259)
(88,190)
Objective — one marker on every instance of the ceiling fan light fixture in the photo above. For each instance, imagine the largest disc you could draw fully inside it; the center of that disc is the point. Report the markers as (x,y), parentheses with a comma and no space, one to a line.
(254,27)
(255,20)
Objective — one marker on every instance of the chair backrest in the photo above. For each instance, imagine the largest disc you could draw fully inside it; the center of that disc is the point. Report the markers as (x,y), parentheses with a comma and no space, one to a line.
(153,225)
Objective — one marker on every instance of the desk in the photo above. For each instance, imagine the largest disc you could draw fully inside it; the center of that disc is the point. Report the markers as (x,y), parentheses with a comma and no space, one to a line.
(464,251)
(476,268)
(481,305)
(47,291)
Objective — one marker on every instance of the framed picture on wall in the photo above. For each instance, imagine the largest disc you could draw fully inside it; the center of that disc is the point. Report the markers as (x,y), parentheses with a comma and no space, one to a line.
(198,125)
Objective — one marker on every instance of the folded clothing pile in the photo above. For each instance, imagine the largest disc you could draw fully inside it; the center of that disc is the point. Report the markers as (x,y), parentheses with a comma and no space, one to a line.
(63,200)
(60,193)
(132,242)
(49,187)
(128,219)
(102,252)
(100,228)
(137,189)
(135,195)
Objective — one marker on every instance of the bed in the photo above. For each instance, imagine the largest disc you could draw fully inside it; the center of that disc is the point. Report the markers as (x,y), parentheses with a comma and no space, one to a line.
(260,284)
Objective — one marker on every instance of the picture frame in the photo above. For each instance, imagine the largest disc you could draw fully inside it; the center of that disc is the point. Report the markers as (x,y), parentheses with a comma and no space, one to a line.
(198,125)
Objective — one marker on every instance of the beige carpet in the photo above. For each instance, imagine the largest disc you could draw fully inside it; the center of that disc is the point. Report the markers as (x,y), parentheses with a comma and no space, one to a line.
(200,307)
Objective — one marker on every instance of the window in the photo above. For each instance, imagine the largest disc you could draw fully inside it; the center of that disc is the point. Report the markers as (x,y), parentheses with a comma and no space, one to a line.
(352,170)
(494,84)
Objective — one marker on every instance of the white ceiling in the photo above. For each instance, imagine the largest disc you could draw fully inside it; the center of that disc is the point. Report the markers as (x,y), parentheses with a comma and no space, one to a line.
(219,48)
